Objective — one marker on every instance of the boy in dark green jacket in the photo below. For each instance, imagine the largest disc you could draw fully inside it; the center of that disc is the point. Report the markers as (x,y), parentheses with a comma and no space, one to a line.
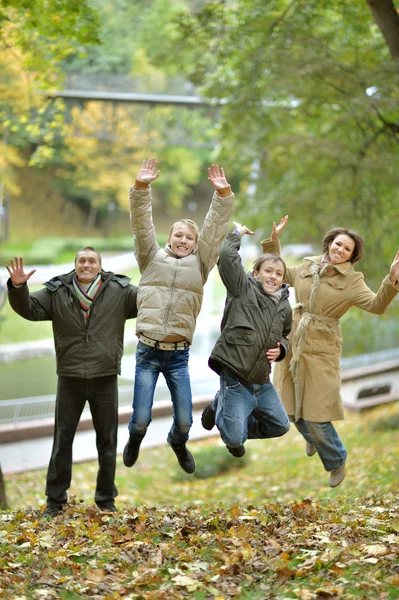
(255,325)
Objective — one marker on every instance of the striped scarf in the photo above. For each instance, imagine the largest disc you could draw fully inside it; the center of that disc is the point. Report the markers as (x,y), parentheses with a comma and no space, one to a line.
(86,297)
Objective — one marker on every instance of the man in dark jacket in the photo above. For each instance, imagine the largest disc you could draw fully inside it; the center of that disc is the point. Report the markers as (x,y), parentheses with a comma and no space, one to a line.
(88,308)
(255,325)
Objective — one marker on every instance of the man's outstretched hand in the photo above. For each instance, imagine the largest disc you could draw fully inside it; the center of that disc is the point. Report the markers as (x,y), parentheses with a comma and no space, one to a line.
(16,271)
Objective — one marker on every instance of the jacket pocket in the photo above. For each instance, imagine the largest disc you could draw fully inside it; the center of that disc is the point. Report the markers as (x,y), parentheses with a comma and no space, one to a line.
(241,335)
(337,284)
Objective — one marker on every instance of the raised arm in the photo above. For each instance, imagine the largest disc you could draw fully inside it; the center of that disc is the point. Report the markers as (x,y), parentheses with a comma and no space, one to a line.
(216,222)
(230,264)
(394,271)
(34,307)
(140,198)
(17,273)
(363,297)
(271,245)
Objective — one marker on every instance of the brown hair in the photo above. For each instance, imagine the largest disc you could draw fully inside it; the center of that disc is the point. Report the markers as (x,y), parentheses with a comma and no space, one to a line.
(358,250)
(91,250)
(192,224)
(273,258)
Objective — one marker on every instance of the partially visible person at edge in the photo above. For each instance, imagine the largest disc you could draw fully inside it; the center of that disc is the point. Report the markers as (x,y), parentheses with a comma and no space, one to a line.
(309,382)
(88,308)
(256,322)
(169,301)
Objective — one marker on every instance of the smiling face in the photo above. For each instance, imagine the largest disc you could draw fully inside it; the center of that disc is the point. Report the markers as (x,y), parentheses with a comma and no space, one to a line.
(271,275)
(182,240)
(87,265)
(341,249)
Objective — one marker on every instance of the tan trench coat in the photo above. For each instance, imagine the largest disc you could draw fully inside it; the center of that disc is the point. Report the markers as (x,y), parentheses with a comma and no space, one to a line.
(309,379)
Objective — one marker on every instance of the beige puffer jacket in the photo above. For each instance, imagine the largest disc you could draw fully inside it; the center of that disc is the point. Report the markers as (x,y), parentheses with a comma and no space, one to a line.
(171,289)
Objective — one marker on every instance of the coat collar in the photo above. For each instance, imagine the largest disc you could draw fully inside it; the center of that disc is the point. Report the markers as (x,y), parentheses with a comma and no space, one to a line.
(343,268)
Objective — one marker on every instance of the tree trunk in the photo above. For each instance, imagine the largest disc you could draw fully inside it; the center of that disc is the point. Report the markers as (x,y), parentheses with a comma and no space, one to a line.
(3,497)
(387,19)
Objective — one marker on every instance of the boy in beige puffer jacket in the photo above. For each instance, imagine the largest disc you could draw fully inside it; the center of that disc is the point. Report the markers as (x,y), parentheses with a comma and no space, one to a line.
(169,300)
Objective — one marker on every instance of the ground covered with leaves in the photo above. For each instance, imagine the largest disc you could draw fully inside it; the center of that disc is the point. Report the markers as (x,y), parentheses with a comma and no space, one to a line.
(266,526)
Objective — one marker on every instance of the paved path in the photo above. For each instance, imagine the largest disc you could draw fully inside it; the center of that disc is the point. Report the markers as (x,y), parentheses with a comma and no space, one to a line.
(29,455)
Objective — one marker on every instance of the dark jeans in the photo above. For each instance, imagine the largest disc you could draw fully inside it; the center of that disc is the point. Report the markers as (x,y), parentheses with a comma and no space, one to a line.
(173,364)
(72,393)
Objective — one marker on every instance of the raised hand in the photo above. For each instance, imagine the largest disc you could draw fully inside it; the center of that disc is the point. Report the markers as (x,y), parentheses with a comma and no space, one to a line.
(394,270)
(148,171)
(17,274)
(276,230)
(217,177)
(242,229)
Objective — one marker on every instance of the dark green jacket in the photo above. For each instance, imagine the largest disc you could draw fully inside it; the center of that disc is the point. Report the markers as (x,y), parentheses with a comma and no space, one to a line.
(252,322)
(86,350)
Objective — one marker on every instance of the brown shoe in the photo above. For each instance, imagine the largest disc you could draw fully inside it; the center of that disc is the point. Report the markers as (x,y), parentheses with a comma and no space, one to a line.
(337,476)
(310,449)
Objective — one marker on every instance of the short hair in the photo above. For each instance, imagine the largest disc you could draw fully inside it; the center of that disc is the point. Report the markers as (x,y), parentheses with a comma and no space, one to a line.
(273,258)
(91,250)
(192,224)
(358,250)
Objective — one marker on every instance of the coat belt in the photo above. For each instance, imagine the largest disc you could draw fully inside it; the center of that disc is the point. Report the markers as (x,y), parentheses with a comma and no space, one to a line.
(163,345)
(300,308)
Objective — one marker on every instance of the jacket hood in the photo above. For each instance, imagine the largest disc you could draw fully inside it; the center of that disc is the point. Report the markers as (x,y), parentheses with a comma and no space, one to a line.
(284,288)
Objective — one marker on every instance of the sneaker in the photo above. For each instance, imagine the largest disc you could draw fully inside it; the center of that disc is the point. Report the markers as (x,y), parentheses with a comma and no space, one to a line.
(337,476)
(131,452)
(51,511)
(310,449)
(185,458)
(208,417)
(107,506)
(237,452)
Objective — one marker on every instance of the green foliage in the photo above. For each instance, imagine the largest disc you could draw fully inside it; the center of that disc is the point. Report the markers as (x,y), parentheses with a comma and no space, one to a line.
(309,98)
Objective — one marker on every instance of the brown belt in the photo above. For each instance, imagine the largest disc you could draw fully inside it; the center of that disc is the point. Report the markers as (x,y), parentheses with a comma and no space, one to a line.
(163,345)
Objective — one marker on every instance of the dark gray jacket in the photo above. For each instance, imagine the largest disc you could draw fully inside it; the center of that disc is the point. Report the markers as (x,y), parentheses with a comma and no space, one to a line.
(83,349)
(252,322)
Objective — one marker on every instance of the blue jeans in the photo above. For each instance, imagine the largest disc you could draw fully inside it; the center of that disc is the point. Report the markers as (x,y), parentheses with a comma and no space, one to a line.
(326,440)
(173,364)
(248,410)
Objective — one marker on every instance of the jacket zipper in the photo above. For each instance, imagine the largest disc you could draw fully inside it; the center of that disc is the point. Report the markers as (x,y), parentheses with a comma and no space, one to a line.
(172,287)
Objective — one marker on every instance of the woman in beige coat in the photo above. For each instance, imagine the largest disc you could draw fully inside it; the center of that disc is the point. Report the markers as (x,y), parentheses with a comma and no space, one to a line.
(309,381)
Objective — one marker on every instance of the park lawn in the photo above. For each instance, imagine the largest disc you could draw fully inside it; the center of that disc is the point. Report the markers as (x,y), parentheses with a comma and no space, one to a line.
(266,526)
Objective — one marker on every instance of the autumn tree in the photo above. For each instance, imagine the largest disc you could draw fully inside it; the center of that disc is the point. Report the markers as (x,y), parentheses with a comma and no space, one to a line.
(309,111)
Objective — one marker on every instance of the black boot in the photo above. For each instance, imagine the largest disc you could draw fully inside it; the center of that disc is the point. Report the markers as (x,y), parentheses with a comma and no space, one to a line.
(185,458)
(51,511)
(208,417)
(131,452)
(237,452)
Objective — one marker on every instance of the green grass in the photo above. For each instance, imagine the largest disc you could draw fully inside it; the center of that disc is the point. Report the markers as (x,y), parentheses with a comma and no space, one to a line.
(266,526)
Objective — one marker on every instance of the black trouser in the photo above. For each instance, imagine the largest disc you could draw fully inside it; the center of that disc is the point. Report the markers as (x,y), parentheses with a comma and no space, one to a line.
(72,393)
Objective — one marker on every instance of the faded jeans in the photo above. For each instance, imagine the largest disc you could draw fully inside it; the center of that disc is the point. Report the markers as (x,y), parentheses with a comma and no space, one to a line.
(326,440)
(102,396)
(248,410)
(173,364)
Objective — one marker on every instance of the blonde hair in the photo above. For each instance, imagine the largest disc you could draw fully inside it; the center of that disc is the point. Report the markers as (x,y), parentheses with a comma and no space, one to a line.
(189,223)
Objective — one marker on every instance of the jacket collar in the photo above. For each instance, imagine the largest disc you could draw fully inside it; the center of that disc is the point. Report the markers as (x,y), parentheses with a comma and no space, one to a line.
(284,288)
(67,279)
(342,268)
(169,252)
